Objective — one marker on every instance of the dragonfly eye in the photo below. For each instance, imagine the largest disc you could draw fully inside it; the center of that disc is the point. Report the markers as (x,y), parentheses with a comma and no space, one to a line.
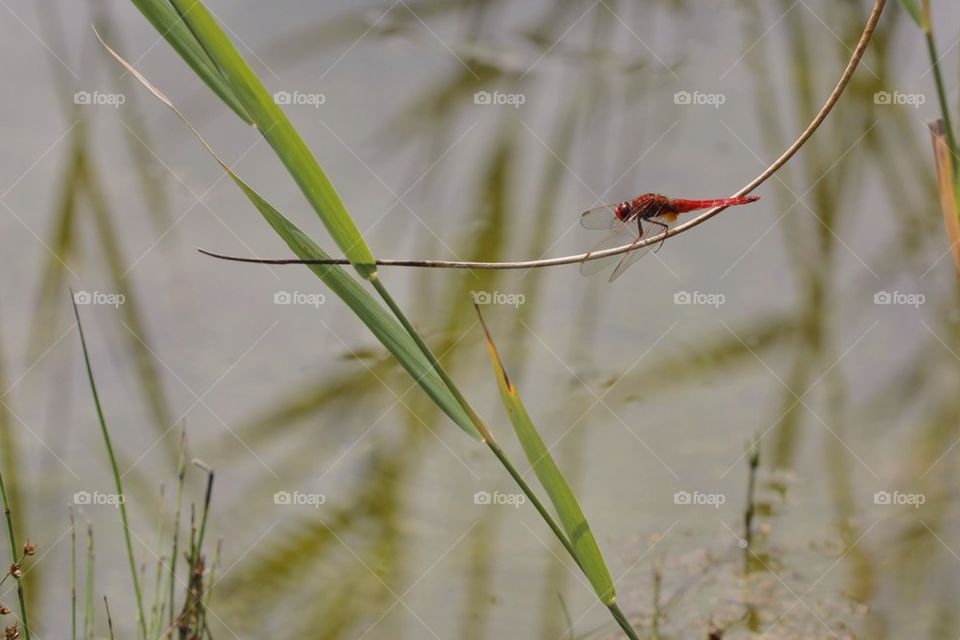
(622,210)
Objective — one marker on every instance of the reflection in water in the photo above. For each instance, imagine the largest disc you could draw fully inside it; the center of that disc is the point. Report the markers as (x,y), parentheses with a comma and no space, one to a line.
(849,399)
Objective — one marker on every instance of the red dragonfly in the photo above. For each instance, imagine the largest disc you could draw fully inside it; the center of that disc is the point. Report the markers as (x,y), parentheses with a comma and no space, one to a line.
(629,222)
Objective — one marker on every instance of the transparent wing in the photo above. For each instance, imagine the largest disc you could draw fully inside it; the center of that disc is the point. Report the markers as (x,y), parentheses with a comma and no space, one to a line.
(650,229)
(619,235)
(600,218)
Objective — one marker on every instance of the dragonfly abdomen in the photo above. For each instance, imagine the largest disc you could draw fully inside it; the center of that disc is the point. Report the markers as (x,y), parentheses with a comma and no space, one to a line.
(682,206)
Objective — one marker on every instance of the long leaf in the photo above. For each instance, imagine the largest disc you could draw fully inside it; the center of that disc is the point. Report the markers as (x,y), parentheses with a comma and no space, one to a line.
(386,329)
(587,552)
(279,132)
(167,22)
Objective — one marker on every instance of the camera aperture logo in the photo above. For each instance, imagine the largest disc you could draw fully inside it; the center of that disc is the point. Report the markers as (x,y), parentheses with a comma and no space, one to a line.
(511,499)
(98,98)
(498,297)
(899,298)
(298,98)
(299,499)
(699,99)
(87,498)
(699,499)
(697,297)
(898,98)
(499,98)
(99,297)
(299,297)
(896,498)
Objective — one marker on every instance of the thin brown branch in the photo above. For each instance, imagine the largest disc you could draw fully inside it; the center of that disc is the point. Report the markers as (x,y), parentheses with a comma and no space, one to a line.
(825,110)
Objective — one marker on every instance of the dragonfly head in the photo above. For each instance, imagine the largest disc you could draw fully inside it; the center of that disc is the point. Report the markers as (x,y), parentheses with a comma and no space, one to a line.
(622,210)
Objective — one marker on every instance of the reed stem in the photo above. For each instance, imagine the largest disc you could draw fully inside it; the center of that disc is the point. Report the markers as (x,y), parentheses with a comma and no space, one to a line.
(14,554)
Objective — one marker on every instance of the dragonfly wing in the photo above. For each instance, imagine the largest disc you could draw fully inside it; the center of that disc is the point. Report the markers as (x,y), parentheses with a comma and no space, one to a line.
(600,218)
(650,230)
(626,260)
(620,234)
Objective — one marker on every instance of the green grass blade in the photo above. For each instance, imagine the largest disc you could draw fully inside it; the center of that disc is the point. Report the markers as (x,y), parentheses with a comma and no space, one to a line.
(383,326)
(280,133)
(912,7)
(141,619)
(586,551)
(167,22)
(106,605)
(926,23)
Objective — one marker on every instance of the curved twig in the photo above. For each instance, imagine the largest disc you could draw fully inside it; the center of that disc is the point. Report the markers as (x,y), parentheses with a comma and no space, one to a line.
(825,110)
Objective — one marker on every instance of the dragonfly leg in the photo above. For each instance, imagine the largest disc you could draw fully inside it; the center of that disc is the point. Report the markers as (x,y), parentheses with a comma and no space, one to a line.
(639,233)
(664,229)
